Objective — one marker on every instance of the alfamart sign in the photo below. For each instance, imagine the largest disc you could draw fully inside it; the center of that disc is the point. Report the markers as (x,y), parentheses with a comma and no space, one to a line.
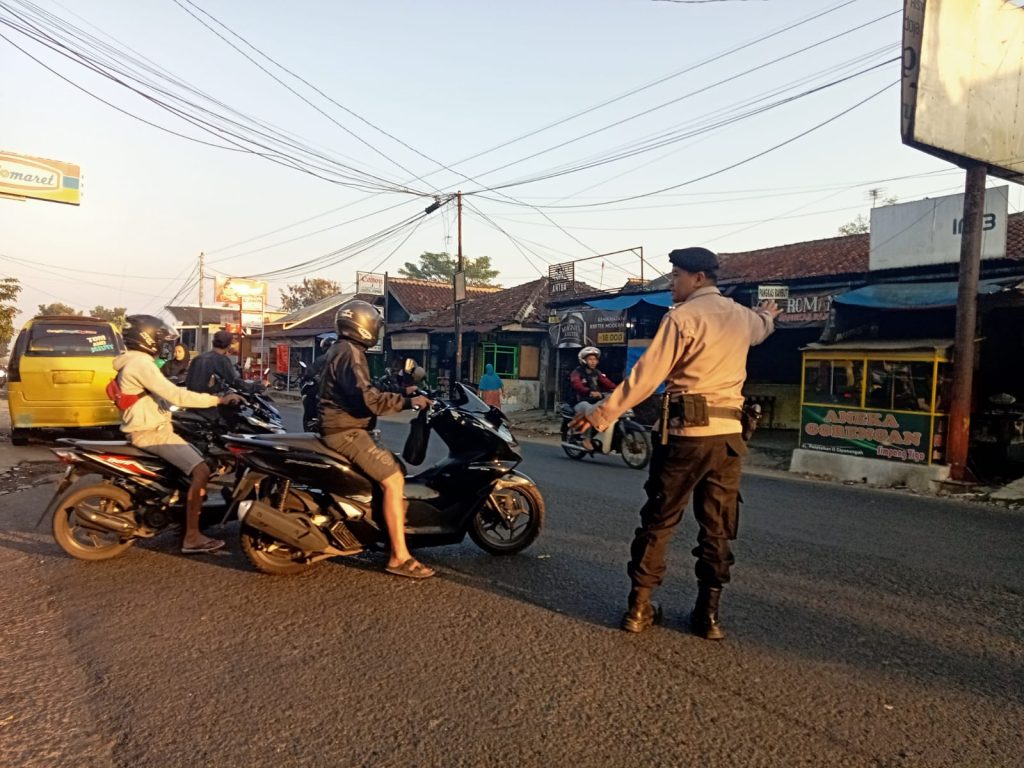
(22,176)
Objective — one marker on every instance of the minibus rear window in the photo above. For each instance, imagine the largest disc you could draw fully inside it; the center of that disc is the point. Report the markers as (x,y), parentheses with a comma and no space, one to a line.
(48,339)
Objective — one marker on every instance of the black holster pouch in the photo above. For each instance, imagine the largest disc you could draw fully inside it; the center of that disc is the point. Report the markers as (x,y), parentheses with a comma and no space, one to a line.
(750,419)
(679,411)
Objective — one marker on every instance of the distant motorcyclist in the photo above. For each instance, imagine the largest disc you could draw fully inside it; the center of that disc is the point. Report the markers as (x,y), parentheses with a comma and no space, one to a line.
(309,387)
(321,362)
(587,386)
(214,364)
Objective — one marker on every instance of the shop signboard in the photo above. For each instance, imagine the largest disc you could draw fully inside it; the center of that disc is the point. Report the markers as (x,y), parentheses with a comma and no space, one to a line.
(252,311)
(281,353)
(772,292)
(589,327)
(888,435)
(799,310)
(371,283)
(24,176)
(561,277)
(807,310)
(229,290)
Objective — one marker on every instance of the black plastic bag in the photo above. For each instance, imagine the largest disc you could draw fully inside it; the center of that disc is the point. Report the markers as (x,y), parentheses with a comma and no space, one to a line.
(415,450)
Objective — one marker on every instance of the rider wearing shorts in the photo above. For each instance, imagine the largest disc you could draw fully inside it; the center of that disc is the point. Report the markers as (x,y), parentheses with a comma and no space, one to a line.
(349,407)
(147,421)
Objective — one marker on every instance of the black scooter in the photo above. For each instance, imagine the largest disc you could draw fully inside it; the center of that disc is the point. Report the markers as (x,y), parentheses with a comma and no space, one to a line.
(299,502)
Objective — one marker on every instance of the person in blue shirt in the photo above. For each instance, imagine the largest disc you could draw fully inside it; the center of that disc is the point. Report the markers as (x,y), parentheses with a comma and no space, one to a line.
(490,387)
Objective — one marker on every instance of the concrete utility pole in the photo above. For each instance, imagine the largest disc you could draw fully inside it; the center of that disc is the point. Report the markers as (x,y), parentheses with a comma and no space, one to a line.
(458,303)
(202,279)
(966,321)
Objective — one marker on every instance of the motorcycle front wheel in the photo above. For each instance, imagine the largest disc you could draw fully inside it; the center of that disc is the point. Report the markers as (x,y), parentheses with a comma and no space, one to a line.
(636,449)
(510,521)
(91,542)
(572,453)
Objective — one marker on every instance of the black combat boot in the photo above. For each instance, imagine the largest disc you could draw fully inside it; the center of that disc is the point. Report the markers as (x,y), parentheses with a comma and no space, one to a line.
(704,617)
(642,613)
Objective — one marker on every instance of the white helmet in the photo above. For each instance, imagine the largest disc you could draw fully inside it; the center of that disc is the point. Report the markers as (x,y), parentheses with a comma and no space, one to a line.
(587,352)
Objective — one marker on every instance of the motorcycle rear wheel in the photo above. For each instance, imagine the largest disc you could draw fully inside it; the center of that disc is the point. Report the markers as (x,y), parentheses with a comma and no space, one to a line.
(86,543)
(636,449)
(271,556)
(513,529)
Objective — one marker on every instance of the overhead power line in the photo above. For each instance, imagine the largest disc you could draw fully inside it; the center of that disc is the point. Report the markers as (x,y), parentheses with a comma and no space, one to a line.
(737,164)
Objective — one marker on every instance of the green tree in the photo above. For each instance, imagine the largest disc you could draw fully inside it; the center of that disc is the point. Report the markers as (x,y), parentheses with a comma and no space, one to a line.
(859,226)
(9,290)
(310,291)
(115,315)
(57,308)
(441,267)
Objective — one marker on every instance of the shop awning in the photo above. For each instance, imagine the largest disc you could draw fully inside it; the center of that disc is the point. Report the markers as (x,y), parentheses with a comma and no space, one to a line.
(661,299)
(913,295)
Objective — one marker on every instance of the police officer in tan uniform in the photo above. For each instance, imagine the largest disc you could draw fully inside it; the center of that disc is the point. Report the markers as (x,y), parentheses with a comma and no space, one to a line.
(700,352)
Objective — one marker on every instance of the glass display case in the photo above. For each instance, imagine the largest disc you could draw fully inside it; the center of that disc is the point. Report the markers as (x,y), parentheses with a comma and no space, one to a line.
(885,400)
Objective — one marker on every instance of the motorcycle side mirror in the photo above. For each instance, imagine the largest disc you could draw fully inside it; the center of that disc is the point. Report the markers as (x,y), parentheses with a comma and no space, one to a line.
(302,364)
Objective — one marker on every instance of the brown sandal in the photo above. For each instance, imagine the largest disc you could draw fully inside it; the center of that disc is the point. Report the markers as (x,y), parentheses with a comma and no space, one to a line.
(411,569)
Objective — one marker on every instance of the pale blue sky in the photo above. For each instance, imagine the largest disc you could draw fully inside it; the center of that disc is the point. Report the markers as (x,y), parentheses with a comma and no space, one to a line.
(450,79)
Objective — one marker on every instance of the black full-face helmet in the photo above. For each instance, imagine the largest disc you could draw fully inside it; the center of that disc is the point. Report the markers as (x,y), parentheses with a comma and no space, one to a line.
(359,321)
(327,343)
(146,333)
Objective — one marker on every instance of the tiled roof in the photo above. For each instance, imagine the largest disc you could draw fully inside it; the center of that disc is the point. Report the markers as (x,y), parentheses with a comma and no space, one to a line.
(814,258)
(1015,236)
(523,304)
(818,258)
(420,296)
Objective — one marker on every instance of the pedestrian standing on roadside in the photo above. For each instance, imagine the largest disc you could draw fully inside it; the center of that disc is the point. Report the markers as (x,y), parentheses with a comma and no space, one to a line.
(700,352)
(491,387)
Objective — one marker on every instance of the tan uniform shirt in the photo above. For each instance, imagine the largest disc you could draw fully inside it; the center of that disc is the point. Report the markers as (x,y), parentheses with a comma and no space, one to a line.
(700,348)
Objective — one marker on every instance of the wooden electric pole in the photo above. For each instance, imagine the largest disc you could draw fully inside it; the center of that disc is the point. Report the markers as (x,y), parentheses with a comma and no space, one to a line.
(202,279)
(966,322)
(458,301)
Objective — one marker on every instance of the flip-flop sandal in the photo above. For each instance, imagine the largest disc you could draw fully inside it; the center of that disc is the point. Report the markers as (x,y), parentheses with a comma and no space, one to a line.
(411,569)
(210,546)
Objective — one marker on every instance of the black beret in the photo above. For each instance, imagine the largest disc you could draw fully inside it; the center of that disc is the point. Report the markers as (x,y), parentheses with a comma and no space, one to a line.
(694,259)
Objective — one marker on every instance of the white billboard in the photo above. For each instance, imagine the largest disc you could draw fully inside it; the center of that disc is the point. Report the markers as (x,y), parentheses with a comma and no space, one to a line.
(928,231)
(962,81)
(370,283)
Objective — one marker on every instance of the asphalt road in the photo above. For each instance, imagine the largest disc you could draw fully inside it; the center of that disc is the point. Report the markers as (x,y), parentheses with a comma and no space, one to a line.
(866,628)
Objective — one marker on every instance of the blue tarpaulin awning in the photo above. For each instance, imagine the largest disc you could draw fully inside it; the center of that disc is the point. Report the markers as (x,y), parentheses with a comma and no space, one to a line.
(661,299)
(912,295)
